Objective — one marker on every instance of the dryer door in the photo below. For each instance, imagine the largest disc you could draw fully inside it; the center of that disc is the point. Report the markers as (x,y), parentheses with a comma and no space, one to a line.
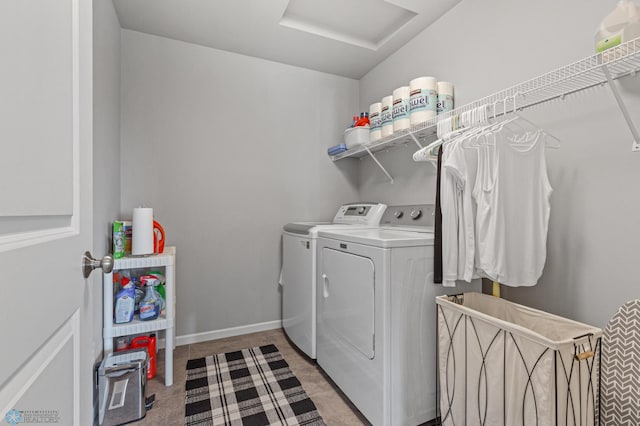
(348,299)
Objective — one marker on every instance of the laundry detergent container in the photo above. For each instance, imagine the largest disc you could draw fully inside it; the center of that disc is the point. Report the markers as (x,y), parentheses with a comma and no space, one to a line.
(501,363)
(122,382)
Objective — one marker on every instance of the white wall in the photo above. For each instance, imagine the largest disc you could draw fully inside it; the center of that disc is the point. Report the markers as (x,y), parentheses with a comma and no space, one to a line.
(227,148)
(485,46)
(106,138)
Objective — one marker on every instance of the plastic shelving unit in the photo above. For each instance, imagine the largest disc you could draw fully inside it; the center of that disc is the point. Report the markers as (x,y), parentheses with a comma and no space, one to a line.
(165,322)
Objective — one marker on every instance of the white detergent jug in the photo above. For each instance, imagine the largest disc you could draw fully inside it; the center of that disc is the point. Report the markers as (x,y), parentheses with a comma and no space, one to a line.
(621,25)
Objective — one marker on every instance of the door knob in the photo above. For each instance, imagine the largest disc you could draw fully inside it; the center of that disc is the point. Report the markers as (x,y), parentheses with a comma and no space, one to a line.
(89,264)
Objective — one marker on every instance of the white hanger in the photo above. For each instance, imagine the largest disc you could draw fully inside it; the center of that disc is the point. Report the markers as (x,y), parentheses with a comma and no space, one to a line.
(445,130)
(483,126)
(441,127)
(475,124)
(550,141)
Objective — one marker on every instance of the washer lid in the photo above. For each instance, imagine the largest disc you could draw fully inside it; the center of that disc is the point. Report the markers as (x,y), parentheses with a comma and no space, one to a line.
(382,237)
(303,228)
(311,230)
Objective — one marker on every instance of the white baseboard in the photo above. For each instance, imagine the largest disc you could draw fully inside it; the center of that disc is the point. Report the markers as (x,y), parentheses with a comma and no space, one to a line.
(188,339)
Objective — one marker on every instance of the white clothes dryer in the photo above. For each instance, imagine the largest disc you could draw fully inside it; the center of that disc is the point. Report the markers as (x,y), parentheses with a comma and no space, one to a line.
(298,278)
(377,315)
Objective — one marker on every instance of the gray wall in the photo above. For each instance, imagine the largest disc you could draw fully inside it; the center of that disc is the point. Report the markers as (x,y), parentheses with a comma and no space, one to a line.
(227,148)
(106,138)
(485,46)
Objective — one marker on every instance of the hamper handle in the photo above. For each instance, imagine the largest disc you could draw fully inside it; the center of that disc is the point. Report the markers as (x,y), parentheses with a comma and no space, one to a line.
(584,355)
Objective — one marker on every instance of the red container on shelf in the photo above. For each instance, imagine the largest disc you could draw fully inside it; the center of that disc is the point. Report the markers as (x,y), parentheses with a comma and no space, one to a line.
(148,342)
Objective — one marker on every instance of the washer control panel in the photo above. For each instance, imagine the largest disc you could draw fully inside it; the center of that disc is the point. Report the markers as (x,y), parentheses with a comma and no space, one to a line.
(360,213)
(409,215)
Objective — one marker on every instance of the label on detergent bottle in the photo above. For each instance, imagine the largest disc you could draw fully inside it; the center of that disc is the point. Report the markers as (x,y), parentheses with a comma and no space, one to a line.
(400,109)
(423,100)
(148,312)
(375,121)
(386,116)
(124,309)
(445,103)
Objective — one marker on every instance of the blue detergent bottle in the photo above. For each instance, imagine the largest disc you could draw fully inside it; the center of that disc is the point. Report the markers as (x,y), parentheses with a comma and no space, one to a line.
(151,304)
(125,302)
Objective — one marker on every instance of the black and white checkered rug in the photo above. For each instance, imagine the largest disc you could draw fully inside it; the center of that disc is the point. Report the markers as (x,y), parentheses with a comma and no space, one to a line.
(251,387)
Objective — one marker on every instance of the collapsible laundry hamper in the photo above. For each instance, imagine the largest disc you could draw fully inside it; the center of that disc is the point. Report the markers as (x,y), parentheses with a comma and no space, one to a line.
(501,363)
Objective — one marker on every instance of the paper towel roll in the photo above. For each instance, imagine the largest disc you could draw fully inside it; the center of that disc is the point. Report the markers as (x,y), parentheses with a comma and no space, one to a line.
(401,108)
(142,229)
(375,129)
(386,115)
(445,97)
(423,99)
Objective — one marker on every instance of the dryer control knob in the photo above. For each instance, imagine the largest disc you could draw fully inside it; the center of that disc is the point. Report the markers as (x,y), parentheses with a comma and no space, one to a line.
(398,214)
(415,214)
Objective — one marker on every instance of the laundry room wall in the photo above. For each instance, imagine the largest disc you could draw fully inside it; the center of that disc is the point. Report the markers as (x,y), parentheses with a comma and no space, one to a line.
(485,46)
(227,149)
(106,140)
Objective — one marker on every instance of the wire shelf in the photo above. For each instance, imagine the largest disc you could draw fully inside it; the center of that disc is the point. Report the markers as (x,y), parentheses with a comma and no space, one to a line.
(620,61)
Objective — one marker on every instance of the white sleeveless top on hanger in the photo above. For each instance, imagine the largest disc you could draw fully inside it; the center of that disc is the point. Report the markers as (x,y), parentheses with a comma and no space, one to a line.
(512,192)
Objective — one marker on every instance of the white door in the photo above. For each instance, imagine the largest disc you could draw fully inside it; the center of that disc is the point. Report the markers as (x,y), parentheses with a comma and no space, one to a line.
(46,354)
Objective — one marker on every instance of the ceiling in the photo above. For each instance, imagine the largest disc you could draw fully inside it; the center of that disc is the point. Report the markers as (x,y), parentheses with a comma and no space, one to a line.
(342,37)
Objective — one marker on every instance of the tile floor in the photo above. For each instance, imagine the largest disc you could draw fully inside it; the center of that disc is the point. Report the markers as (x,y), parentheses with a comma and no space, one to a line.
(168,410)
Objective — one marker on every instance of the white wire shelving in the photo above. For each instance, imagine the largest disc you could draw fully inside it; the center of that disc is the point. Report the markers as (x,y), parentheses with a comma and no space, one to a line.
(598,69)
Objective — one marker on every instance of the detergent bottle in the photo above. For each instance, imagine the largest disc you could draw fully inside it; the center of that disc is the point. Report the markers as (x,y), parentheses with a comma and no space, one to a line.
(149,343)
(125,302)
(151,304)
(621,25)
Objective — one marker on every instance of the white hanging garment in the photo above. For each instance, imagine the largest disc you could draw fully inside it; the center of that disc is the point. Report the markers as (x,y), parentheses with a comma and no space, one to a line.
(512,192)
(448,206)
(461,165)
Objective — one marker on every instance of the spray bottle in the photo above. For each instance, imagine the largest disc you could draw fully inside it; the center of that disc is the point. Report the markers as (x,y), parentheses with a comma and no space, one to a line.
(151,304)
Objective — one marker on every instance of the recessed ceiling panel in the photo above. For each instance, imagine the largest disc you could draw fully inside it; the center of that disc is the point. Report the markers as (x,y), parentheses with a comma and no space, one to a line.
(363,23)
(343,37)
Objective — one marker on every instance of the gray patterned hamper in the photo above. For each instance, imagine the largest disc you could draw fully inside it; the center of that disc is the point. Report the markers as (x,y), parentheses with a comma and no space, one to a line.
(501,363)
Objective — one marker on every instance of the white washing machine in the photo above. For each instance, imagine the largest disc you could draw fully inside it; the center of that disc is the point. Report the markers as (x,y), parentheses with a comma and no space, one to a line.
(377,315)
(299,269)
